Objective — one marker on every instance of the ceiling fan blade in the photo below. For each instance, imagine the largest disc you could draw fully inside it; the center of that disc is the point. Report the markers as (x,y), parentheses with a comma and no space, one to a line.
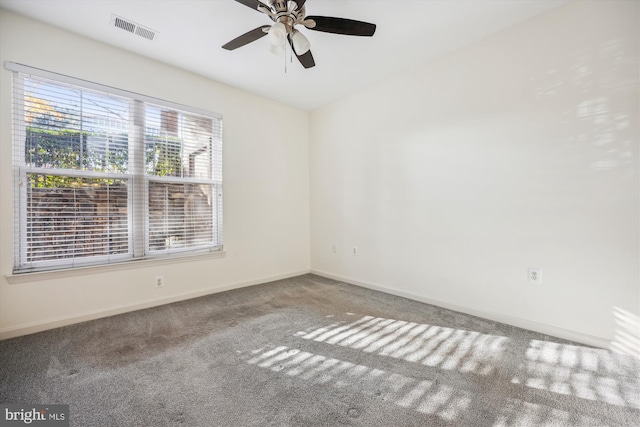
(246,38)
(253,4)
(306,59)
(300,3)
(348,27)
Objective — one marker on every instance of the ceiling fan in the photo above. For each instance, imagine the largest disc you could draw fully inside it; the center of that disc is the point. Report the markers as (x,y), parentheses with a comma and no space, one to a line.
(286,14)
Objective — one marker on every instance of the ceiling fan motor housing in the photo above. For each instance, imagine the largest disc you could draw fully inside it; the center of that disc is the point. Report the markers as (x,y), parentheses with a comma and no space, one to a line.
(278,5)
(284,14)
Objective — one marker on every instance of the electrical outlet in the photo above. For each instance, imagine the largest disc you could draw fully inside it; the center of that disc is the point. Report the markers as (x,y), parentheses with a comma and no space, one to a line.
(355,250)
(334,248)
(159,281)
(535,276)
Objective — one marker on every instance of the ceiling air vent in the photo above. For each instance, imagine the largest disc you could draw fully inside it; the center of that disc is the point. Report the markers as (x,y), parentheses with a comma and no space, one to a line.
(144,32)
(132,27)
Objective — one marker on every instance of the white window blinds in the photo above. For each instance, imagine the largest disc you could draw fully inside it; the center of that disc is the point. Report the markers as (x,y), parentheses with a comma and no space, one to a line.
(103,175)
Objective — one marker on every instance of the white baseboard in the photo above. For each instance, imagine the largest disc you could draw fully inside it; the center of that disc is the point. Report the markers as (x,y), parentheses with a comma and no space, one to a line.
(34,327)
(498,317)
(31,328)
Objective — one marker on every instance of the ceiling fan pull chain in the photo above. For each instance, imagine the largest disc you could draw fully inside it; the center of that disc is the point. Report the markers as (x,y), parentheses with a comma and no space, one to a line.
(290,51)
(285,55)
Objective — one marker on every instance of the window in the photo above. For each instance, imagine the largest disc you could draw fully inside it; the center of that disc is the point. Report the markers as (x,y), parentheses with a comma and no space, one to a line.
(104,175)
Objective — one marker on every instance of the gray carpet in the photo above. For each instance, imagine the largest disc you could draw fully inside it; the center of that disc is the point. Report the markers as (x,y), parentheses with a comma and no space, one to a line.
(309,351)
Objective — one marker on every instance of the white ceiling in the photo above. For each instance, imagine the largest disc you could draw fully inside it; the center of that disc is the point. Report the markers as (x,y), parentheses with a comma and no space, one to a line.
(190,33)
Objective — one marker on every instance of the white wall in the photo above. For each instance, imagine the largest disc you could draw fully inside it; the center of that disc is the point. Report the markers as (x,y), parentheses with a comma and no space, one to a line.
(266,184)
(519,151)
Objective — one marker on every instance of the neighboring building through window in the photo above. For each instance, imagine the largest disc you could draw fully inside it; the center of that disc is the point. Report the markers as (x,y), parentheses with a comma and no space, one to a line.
(103,175)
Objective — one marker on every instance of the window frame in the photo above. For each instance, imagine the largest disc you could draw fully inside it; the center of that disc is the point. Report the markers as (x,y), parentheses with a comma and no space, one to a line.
(136,176)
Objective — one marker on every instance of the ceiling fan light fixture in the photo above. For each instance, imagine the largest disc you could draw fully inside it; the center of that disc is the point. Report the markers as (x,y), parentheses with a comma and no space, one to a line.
(277,33)
(300,43)
(277,49)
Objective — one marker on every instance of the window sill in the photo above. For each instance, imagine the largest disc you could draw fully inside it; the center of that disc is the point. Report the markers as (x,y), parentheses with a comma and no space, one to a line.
(96,269)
